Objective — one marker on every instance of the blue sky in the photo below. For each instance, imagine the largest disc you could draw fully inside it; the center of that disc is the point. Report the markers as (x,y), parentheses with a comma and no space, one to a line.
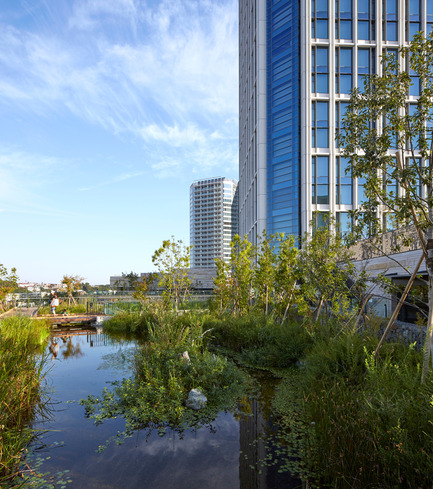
(109,110)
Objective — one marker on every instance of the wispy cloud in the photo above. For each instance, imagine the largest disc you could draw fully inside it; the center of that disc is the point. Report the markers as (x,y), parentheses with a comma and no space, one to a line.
(114,180)
(165,72)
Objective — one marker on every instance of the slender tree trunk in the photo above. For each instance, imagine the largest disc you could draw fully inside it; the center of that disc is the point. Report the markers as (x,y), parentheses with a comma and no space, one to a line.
(288,304)
(361,311)
(401,301)
(319,309)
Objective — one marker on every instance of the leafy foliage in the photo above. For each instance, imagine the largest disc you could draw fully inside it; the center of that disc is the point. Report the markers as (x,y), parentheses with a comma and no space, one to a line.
(172,261)
(8,283)
(388,142)
(71,283)
(356,420)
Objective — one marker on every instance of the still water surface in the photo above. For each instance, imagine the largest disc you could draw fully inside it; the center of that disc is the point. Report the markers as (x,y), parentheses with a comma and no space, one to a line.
(218,456)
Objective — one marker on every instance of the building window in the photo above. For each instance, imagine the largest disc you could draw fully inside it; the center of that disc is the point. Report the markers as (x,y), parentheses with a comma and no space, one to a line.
(366,63)
(340,111)
(361,190)
(320,124)
(390,20)
(320,172)
(320,220)
(343,19)
(343,188)
(388,221)
(389,182)
(366,20)
(344,223)
(413,18)
(429,17)
(319,20)
(320,69)
(343,70)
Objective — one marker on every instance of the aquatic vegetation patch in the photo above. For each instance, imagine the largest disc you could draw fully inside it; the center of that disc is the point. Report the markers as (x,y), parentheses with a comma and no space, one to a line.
(154,397)
(349,419)
(22,367)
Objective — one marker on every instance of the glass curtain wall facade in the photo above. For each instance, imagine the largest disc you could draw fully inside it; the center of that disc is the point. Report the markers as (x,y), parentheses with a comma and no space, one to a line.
(283,116)
(298,62)
(214,220)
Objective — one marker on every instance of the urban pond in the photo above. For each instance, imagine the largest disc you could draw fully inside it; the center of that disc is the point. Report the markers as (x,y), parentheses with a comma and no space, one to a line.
(228,453)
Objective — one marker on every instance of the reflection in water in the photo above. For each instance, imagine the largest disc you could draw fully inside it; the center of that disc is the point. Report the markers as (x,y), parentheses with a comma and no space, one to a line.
(255,448)
(207,458)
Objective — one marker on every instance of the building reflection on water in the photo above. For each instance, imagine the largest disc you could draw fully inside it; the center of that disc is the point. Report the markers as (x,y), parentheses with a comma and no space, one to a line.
(255,428)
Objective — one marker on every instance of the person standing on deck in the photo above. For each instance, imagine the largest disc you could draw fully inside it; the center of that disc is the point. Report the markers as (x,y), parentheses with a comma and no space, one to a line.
(54,303)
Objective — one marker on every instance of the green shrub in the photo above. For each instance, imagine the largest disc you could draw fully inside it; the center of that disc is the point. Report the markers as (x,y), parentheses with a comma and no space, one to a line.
(359,421)
(262,342)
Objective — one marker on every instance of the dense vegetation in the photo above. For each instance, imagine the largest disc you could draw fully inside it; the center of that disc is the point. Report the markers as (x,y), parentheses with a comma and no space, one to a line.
(348,418)
(22,342)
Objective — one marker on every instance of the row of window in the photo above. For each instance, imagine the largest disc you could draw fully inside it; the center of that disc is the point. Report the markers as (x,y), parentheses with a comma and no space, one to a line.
(365,19)
(344,182)
(344,69)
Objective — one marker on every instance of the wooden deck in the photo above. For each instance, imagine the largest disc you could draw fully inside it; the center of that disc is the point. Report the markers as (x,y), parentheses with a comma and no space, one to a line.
(63,320)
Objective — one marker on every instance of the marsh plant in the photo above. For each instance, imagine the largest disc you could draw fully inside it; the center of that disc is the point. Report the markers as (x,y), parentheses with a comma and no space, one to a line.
(350,419)
(154,396)
(22,367)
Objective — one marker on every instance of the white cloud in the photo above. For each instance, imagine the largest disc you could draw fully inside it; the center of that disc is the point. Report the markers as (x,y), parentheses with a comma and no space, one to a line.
(174,135)
(165,72)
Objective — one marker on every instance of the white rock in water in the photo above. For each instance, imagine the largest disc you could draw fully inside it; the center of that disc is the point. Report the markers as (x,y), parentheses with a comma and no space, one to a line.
(196,400)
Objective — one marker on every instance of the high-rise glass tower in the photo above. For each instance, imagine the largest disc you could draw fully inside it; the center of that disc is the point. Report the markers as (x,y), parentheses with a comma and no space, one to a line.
(298,61)
(213,220)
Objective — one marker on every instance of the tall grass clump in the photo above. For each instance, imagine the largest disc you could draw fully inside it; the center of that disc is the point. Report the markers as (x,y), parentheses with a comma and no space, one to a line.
(22,362)
(260,341)
(360,421)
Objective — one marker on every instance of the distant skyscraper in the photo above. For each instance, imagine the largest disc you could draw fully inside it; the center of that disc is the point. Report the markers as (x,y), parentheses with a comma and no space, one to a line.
(298,61)
(213,220)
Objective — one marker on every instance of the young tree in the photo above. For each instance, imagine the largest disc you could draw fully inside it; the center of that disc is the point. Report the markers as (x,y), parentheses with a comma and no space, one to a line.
(264,273)
(172,261)
(8,283)
(388,141)
(325,267)
(241,271)
(141,288)
(223,284)
(286,275)
(71,283)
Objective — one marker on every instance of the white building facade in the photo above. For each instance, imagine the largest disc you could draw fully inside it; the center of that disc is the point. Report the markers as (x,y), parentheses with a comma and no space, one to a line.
(213,220)
(298,61)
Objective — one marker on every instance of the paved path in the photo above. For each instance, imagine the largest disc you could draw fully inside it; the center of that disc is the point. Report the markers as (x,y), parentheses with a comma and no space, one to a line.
(19,311)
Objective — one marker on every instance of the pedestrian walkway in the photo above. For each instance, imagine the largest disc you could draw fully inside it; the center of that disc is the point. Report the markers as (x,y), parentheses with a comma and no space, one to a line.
(19,311)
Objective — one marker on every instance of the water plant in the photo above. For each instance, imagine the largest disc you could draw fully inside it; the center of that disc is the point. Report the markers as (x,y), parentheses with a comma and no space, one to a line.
(22,341)
(353,420)
(154,396)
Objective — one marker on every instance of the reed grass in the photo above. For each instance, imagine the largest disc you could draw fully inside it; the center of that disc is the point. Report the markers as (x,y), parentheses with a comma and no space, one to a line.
(22,367)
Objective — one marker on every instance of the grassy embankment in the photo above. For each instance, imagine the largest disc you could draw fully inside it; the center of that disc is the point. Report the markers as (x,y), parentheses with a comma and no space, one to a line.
(21,370)
(348,420)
